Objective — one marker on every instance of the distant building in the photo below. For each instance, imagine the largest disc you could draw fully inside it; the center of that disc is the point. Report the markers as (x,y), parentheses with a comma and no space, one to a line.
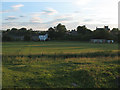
(35,38)
(43,37)
(21,38)
(101,41)
(105,28)
(110,41)
(98,40)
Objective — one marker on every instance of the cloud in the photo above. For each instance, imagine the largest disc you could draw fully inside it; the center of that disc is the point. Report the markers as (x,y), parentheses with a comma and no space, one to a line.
(87,12)
(36,19)
(35,16)
(9,18)
(22,16)
(6,11)
(81,2)
(33,25)
(49,11)
(16,7)
(88,20)
(61,19)
(41,26)
(64,18)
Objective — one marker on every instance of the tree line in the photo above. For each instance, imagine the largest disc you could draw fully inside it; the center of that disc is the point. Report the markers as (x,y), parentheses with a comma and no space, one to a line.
(59,32)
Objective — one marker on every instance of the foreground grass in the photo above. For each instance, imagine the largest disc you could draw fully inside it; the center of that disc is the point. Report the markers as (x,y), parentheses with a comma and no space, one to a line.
(60,64)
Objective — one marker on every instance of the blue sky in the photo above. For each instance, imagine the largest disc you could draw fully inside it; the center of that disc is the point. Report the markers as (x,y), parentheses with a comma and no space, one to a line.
(42,15)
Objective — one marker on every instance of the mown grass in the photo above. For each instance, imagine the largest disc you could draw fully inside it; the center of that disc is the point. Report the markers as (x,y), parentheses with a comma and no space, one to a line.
(60,65)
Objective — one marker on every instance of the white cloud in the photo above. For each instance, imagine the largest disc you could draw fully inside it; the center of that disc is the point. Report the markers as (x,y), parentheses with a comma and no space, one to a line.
(81,2)
(99,12)
(35,16)
(49,11)
(61,19)
(33,25)
(6,11)
(16,7)
(22,16)
(64,17)
(91,12)
(36,0)
(36,19)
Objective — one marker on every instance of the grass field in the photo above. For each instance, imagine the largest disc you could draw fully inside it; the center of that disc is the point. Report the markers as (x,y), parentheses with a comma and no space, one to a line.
(60,65)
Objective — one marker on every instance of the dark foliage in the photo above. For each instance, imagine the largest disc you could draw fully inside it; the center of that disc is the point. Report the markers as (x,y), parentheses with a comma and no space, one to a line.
(59,32)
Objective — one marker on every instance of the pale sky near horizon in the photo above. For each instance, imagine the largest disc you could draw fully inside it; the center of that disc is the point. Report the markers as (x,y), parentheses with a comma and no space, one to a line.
(48,13)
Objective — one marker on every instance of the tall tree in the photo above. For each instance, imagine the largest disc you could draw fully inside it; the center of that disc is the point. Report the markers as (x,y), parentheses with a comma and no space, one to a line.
(115,32)
(83,29)
(14,29)
(61,30)
(52,33)
(84,33)
(101,34)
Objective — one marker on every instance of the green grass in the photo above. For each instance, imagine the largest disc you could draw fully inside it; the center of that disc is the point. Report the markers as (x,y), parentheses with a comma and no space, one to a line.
(60,65)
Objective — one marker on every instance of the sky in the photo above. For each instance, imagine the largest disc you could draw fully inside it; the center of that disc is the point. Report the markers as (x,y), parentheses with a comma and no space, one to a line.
(48,13)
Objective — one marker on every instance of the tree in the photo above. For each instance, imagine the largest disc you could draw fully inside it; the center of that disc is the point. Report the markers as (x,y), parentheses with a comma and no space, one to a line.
(52,33)
(30,29)
(101,34)
(83,29)
(6,38)
(8,30)
(115,32)
(84,33)
(23,29)
(14,29)
(61,30)
(57,32)
(27,38)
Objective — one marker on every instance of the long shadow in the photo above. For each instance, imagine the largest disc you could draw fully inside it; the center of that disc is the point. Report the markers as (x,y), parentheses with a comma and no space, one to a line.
(61,79)
(69,78)
(76,79)
(95,54)
(112,62)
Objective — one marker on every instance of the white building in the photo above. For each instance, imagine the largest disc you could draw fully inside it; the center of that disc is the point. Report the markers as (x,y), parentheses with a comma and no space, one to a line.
(101,41)
(110,41)
(43,37)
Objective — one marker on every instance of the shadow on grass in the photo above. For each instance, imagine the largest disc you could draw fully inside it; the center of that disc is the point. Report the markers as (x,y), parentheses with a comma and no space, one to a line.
(20,68)
(35,83)
(113,62)
(72,79)
(60,55)
(60,75)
